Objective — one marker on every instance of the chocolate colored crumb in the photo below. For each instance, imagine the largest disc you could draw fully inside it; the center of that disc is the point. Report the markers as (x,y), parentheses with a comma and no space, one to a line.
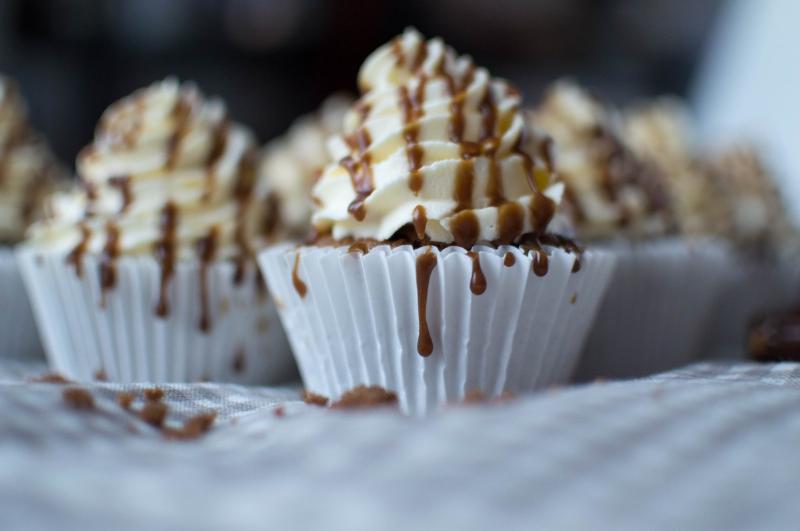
(476,396)
(154,413)
(365,397)
(125,399)
(193,427)
(314,399)
(154,394)
(279,411)
(78,398)
(53,378)
(776,338)
(100,375)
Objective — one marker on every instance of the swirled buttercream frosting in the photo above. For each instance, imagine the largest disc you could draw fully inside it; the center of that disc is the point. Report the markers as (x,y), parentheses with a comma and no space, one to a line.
(293,162)
(438,149)
(27,168)
(168,174)
(609,190)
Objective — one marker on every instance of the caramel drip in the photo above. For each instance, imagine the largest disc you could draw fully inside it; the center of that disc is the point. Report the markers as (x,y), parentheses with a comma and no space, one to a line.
(108,261)
(206,251)
(272,214)
(75,257)
(181,113)
(541,262)
(542,211)
(568,245)
(420,220)
(91,197)
(510,222)
(477,282)
(299,285)
(123,184)
(494,184)
(242,193)
(360,173)
(458,96)
(416,59)
(412,106)
(465,228)
(425,264)
(363,109)
(220,143)
(465,178)
(488,114)
(166,254)
(509,259)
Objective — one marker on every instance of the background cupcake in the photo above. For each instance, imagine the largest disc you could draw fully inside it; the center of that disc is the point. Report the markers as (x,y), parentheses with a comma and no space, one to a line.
(147,273)
(625,200)
(27,173)
(432,274)
(293,162)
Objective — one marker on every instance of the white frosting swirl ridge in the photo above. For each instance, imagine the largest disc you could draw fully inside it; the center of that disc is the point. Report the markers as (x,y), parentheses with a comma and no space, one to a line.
(610,190)
(27,168)
(437,145)
(169,174)
(293,163)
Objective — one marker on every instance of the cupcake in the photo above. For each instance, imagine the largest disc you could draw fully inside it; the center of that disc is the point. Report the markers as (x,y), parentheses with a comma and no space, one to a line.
(624,201)
(432,273)
(293,163)
(147,273)
(27,172)
(763,247)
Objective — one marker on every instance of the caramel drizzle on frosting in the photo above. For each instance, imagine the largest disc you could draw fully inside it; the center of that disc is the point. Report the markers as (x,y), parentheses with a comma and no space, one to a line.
(360,173)
(181,113)
(166,255)
(75,257)
(243,193)
(108,260)
(123,184)
(220,142)
(206,252)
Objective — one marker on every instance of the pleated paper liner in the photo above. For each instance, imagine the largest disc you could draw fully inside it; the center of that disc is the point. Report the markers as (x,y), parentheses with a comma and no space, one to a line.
(18,336)
(118,335)
(656,310)
(354,319)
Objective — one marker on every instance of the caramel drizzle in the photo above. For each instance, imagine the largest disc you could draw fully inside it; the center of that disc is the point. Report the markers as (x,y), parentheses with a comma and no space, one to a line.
(242,193)
(426,262)
(360,173)
(123,184)
(509,259)
(220,143)
(206,251)
(299,286)
(510,222)
(75,257)
(419,219)
(412,106)
(181,113)
(165,251)
(477,281)
(108,261)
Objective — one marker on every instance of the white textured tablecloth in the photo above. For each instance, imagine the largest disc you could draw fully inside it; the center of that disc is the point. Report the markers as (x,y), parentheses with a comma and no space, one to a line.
(706,447)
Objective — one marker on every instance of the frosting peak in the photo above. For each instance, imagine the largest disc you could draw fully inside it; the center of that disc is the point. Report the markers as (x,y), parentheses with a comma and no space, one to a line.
(435,144)
(167,174)
(27,168)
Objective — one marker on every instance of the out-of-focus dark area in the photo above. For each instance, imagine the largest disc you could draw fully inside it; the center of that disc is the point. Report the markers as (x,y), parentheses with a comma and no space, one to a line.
(272,60)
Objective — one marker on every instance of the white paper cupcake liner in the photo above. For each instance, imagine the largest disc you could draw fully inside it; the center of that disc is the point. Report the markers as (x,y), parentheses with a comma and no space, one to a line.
(126,341)
(656,310)
(18,336)
(359,323)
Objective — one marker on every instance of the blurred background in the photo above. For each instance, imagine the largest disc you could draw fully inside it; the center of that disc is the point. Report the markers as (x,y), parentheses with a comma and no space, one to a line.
(272,60)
